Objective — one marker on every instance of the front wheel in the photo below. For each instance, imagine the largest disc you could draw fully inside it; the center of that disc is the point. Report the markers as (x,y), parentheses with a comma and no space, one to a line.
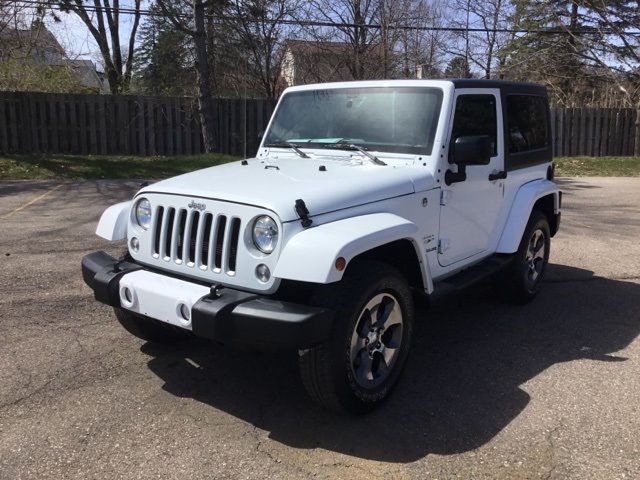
(358,367)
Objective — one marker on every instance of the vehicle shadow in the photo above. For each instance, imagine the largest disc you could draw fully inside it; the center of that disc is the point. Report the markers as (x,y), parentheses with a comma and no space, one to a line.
(575,183)
(462,384)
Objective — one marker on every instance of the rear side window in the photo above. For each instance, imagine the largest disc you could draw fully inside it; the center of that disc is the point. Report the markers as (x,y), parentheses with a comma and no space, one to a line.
(476,115)
(527,121)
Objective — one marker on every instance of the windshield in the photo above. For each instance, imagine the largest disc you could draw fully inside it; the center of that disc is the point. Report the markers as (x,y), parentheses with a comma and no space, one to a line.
(385,119)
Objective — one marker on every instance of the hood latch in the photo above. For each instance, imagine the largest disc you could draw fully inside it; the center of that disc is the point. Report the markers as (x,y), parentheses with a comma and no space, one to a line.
(303,213)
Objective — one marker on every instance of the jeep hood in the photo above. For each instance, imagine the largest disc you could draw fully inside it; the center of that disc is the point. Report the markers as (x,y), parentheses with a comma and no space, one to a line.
(275,185)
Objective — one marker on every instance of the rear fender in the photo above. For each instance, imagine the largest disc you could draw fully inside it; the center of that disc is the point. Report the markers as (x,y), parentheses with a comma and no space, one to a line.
(520,212)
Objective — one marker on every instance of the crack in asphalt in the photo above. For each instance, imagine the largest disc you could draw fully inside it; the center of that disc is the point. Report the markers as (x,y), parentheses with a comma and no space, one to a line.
(57,376)
(29,377)
(260,445)
(551,452)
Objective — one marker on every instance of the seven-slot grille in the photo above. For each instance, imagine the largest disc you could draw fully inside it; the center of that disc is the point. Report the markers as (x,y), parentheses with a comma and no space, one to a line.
(196,239)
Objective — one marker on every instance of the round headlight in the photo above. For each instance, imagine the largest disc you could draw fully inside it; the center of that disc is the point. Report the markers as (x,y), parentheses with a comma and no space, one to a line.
(265,234)
(143,213)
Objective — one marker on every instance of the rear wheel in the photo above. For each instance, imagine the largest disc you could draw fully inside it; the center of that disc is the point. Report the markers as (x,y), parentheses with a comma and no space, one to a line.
(358,367)
(149,329)
(523,278)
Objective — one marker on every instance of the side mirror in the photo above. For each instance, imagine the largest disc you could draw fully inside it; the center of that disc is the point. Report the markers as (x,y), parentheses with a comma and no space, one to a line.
(471,150)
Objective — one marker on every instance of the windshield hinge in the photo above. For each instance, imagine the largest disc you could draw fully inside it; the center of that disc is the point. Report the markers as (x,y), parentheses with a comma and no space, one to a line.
(303,213)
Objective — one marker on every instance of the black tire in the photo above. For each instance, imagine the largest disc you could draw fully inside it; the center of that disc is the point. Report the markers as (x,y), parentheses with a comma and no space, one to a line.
(328,370)
(149,329)
(519,283)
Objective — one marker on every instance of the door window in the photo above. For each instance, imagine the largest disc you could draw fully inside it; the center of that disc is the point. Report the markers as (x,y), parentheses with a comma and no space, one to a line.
(476,115)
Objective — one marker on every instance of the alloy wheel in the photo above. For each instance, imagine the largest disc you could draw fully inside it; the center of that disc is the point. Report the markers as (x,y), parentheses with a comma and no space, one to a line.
(376,340)
(535,257)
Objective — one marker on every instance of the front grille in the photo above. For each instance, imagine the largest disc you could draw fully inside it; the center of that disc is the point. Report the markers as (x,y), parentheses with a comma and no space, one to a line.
(204,240)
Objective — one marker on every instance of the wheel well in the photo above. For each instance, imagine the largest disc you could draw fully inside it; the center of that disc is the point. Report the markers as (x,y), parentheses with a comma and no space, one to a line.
(400,254)
(546,205)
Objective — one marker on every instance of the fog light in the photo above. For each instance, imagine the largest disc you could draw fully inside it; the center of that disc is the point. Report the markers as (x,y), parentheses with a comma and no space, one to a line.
(185,312)
(263,273)
(128,296)
(135,244)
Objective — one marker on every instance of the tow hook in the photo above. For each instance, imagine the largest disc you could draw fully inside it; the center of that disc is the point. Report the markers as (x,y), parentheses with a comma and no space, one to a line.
(216,291)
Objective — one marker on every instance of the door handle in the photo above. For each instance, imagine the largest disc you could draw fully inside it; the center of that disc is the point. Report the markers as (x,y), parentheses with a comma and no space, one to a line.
(498,176)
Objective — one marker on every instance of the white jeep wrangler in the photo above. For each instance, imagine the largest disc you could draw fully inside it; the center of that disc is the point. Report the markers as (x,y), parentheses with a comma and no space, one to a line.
(361,194)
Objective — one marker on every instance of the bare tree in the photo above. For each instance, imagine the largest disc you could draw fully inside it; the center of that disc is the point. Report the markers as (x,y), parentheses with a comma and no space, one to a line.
(608,43)
(480,49)
(23,35)
(421,50)
(391,13)
(603,35)
(6,14)
(352,18)
(260,34)
(403,46)
(370,35)
(16,15)
(201,28)
(590,56)
(103,21)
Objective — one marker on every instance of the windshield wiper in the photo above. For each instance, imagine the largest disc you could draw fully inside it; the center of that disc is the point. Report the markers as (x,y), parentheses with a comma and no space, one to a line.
(292,146)
(354,146)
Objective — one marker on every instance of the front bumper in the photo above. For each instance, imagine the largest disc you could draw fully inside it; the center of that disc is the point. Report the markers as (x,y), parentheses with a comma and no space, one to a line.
(226,315)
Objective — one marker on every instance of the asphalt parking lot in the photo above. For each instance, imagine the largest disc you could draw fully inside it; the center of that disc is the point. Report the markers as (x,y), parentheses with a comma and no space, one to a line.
(549,390)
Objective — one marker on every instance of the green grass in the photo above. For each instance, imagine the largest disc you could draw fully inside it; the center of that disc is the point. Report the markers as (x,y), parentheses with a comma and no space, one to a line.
(597,166)
(71,167)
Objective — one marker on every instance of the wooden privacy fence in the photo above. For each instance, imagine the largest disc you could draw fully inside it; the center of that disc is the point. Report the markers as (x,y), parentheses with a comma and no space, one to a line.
(594,132)
(124,124)
(137,125)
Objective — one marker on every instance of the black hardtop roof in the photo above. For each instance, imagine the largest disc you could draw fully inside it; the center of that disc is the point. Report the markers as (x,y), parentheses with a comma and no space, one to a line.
(505,85)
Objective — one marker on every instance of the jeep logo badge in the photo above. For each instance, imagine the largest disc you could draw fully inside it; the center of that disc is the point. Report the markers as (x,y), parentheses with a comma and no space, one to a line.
(197,206)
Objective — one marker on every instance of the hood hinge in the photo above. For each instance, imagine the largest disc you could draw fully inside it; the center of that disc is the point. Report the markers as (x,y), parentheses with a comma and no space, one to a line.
(303,213)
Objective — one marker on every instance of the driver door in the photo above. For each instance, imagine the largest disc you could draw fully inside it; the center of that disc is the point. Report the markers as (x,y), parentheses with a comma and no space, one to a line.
(470,209)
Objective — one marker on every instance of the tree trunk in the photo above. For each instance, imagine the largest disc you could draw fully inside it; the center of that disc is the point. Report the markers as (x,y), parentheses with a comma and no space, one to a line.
(487,70)
(205,103)
(636,146)
(114,79)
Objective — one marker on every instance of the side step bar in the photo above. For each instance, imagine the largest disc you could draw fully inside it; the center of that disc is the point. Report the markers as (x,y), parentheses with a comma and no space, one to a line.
(471,275)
